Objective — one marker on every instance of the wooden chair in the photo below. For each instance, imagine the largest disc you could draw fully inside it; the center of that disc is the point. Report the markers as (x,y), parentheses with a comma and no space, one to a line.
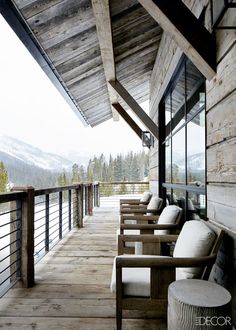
(143,200)
(168,221)
(154,206)
(141,281)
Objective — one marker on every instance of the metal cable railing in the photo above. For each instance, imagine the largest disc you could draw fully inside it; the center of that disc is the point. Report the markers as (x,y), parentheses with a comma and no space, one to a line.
(10,240)
(33,221)
(47,215)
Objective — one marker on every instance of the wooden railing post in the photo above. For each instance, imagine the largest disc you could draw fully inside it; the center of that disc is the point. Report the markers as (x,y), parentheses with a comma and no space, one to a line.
(81,205)
(75,207)
(85,199)
(27,237)
(98,195)
(90,199)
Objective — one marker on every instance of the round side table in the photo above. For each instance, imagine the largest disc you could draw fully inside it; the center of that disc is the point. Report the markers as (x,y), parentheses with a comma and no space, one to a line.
(198,305)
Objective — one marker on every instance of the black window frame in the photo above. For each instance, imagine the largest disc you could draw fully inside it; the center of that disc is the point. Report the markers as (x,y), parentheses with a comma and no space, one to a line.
(163,186)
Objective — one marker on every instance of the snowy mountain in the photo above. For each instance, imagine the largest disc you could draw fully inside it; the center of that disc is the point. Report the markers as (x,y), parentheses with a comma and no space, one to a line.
(23,152)
(195,161)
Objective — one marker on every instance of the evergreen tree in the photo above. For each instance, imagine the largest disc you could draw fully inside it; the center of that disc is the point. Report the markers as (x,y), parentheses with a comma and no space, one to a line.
(90,171)
(75,173)
(62,179)
(110,172)
(3,177)
(82,173)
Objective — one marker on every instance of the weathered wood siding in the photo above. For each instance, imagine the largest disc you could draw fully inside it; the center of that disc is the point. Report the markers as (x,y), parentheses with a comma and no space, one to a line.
(221,135)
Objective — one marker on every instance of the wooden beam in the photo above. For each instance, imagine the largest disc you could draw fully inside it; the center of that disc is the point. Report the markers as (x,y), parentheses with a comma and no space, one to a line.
(128,119)
(101,12)
(135,107)
(189,33)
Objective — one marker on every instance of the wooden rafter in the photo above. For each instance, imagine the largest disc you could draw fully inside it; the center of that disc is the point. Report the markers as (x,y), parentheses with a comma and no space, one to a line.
(189,33)
(128,119)
(101,12)
(135,107)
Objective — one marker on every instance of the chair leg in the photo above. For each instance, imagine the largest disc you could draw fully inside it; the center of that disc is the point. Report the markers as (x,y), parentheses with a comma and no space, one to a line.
(119,320)
(118,314)
(119,290)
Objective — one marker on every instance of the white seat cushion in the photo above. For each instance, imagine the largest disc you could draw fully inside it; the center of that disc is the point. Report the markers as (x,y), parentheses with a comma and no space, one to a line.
(136,281)
(138,248)
(195,240)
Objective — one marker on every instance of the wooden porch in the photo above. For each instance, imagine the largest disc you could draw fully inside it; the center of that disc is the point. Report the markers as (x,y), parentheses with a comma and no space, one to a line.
(72,288)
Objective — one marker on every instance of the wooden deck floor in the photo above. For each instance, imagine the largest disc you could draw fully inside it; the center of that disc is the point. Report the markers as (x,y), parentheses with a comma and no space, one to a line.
(72,284)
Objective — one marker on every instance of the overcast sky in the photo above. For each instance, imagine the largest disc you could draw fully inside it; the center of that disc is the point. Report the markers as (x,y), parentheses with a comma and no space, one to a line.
(32,109)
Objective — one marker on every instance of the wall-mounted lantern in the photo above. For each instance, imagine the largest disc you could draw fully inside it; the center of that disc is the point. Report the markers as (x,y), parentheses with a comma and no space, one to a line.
(147,139)
(218,9)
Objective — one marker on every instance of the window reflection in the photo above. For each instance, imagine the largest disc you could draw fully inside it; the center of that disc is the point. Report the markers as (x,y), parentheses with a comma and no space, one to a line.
(196,150)
(178,102)
(184,141)
(178,157)
(168,160)
(198,206)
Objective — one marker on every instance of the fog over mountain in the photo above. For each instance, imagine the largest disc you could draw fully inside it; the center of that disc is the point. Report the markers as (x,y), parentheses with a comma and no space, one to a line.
(31,155)
(28,165)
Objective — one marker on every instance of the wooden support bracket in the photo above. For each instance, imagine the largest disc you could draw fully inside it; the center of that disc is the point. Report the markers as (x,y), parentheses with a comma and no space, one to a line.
(128,119)
(189,33)
(135,107)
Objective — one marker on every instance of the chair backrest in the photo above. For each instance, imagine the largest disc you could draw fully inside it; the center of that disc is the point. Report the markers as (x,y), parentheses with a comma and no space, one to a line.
(196,239)
(171,214)
(154,205)
(146,196)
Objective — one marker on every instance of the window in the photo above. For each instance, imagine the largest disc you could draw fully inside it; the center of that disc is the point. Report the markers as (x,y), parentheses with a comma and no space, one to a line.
(182,141)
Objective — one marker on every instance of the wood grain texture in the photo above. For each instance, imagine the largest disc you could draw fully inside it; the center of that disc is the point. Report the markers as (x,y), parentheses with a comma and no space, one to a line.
(187,31)
(101,10)
(221,162)
(79,37)
(221,121)
(72,288)
(224,82)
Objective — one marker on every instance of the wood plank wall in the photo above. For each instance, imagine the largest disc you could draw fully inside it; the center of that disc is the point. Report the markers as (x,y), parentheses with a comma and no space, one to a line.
(221,135)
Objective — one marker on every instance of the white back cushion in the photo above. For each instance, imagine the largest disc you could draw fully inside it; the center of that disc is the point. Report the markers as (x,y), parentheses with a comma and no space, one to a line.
(195,240)
(146,196)
(154,204)
(168,216)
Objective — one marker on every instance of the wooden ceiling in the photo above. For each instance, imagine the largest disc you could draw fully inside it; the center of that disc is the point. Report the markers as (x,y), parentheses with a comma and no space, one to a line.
(66,31)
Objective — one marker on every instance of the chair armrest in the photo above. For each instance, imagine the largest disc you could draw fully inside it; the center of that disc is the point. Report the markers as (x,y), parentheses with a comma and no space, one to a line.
(147,238)
(133,206)
(133,210)
(149,226)
(139,217)
(162,262)
(130,201)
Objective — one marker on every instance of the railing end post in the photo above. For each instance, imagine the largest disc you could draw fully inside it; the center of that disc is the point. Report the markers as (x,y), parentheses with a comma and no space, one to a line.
(27,236)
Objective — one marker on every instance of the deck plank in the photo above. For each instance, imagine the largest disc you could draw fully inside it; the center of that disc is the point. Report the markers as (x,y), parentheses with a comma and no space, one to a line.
(72,288)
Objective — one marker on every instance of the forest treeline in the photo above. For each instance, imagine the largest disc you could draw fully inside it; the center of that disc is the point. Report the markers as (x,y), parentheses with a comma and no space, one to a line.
(129,167)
